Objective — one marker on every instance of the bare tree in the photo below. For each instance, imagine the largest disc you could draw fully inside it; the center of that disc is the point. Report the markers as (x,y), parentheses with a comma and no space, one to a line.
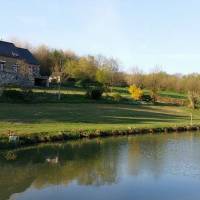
(136,77)
(107,72)
(154,82)
(23,69)
(192,84)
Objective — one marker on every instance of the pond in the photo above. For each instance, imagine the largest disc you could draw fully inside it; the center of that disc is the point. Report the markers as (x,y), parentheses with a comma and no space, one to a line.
(147,167)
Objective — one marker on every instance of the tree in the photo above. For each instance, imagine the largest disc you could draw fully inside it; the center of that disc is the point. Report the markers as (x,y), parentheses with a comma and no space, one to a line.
(43,55)
(83,68)
(192,84)
(23,70)
(107,72)
(136,77)
(153,82)
(57,67)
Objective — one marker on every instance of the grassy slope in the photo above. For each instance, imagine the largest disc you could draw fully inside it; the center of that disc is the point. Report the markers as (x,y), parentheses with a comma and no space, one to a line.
(176,95)
(74,92)
(36,118)
(88,115)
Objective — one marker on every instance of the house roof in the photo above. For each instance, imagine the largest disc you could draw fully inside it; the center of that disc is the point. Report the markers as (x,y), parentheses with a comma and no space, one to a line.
(26,55)
(10,50)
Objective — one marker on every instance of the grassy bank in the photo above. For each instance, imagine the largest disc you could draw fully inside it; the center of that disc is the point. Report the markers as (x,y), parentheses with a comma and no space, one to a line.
(77,116)
(53,118)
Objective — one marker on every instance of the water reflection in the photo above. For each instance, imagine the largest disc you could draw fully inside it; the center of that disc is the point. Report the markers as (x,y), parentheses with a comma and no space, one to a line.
(121,165)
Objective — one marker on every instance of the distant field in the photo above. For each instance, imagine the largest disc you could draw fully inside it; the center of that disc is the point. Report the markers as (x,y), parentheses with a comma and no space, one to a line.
(52,118)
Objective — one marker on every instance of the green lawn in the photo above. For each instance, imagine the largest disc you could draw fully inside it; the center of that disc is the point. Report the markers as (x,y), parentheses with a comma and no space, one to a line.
(77,95)
(175,95)
(52,118)
(124,92)
(75,112)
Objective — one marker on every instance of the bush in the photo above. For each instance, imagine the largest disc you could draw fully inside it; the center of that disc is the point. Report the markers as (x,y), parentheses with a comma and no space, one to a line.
(69,83)
(117,96)
(146,98)
(81,83)
(18,96)
(12,94)
(136,93)
(94,93)
(86,83)
(1,91)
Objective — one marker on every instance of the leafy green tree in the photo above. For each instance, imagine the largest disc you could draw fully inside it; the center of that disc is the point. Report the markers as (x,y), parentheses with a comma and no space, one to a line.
(82,69)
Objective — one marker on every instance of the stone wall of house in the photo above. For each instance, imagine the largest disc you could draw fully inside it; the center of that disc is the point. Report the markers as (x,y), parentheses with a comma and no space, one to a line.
(12,61)
(14,79)
(9,62)
(8,76)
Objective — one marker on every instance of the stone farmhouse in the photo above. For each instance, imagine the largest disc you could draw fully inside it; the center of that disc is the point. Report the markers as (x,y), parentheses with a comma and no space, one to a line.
(11,60)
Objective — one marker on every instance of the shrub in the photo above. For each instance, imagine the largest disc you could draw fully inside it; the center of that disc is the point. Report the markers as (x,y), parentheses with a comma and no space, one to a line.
(12,94)
(69,83)
(86,83)
(1,91)
(94,93)
(146,98)
(117,96)
(18,96)
(81,83)
(136,93)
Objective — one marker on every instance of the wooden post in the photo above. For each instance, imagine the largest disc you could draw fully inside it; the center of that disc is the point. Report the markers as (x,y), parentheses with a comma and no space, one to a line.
(191,119)
(59,79)
(59,88)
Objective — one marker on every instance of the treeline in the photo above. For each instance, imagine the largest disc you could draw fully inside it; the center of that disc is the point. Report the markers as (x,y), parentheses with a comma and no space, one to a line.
(71,67)
(159,80)
(164,81)
(106,71)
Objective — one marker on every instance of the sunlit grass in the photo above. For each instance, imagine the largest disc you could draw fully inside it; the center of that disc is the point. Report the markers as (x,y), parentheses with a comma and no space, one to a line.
(53,118)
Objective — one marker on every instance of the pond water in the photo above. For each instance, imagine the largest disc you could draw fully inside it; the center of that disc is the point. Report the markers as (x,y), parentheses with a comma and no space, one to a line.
(148,167)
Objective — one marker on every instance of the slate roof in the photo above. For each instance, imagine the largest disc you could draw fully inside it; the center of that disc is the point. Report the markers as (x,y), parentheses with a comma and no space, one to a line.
(8,49)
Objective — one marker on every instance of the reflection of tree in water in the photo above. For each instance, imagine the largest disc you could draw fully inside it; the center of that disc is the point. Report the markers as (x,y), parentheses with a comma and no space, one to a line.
(87,163)
(157,154)
(146,153)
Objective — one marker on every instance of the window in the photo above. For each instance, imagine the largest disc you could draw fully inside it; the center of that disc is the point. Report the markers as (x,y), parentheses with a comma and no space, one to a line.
(2,64)
(30,69)
(35,69)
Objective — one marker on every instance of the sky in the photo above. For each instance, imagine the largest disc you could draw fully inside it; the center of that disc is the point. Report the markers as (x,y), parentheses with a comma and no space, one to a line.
(142,33)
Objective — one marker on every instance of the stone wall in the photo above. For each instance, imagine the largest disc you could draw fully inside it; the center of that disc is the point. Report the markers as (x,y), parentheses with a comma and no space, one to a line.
(14,79)
(8,76)
(9,62)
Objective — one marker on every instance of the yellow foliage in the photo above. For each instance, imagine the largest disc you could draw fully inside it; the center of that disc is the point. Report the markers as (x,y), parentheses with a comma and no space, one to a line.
(136,93)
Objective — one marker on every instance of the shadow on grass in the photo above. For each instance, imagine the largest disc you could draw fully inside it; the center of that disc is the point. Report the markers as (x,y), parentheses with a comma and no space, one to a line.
(86,113)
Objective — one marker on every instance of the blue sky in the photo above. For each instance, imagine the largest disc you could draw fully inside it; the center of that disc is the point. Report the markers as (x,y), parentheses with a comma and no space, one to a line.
(141,33)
